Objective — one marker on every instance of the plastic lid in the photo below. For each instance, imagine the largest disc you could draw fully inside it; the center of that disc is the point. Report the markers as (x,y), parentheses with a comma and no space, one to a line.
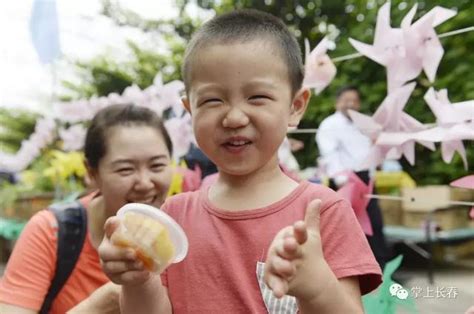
(177,235)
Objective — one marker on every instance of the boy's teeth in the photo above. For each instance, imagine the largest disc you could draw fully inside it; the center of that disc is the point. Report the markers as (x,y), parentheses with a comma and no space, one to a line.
(237,143)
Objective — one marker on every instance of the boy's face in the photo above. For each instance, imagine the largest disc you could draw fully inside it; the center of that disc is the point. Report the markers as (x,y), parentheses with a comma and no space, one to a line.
(241,103)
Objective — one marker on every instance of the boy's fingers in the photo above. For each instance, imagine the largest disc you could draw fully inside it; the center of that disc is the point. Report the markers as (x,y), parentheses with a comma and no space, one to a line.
(282,267)
(278,286)
(289,249)
(134,276)
(293,248)
(110,226)
(115,267)
(300,232)
(109,252)
(312,215)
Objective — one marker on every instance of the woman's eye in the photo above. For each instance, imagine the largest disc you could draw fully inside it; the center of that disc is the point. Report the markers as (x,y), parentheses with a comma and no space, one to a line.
(158,167)
(125,171)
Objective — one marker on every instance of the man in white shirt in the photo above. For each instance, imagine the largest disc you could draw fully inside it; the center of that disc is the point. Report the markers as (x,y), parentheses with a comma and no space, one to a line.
(343,147)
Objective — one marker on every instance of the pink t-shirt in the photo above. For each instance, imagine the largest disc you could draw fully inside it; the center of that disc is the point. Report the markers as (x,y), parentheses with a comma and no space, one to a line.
(223,269)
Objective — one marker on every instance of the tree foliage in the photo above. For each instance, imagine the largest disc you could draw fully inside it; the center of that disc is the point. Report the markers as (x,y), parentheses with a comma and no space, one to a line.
(15,126)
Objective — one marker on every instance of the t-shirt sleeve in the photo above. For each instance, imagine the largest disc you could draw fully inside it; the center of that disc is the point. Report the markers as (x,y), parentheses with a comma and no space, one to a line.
(345,246)
(32,264)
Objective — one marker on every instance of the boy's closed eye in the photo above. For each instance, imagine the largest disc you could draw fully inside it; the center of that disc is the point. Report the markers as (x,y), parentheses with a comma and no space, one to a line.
(257,97)
(210,101)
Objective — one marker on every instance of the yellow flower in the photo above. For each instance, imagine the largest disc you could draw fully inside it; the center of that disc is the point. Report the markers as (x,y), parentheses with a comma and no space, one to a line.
(65,165)
(176,185)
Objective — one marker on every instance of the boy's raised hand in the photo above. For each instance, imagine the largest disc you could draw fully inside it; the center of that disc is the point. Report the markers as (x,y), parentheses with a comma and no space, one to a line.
(294,257)
(121,265)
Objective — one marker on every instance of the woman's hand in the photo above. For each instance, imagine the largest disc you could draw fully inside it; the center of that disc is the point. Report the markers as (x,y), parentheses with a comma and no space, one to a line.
(104,300)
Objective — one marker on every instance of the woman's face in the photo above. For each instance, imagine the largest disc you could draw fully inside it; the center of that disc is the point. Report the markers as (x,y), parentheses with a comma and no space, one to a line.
(135,169)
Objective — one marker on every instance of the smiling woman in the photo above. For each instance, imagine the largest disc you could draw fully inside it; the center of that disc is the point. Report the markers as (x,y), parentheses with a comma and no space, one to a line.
(127,153)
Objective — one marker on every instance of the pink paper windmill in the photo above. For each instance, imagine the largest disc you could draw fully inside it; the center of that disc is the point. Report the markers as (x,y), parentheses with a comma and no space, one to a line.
(319,70)
(466,182)
(169,94)
(453,124)
(181,134)
(390,128)
(423,50)
(408,50)
(388,47)
(355,192)
(73,137)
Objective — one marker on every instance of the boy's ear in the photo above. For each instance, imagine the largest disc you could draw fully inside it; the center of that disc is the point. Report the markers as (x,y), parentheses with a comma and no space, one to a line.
(298,106)
(186,104)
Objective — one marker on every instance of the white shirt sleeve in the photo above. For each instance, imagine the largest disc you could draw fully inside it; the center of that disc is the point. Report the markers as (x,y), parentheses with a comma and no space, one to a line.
(329,149)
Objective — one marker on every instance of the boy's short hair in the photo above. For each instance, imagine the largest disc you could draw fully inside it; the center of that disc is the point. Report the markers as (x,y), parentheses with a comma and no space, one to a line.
(347,88)
(243,26)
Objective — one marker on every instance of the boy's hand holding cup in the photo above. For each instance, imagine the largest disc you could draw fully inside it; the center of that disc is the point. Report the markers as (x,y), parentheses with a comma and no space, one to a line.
(139,241)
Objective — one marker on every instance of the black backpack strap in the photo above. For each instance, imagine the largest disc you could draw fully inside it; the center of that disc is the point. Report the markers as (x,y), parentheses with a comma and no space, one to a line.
(72,230)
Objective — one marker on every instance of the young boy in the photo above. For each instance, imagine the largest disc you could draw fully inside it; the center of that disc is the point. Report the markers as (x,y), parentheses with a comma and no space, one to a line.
(254,234)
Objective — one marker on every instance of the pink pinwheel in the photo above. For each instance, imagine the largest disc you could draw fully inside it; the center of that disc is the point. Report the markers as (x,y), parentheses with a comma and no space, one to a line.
(407,50)
(390,128)
(96,104)
(319,70)
(114,98)
(453,126)
(7,162)
(73,112)
(181,133)
(44,131)
(355,192)
(450,137)
(73,137)
(30,149)
(132,94)
(286,157)
(447,113)
(388,47)
(422,46)
(466,182)
(192,179)
(19,161)
(169,94)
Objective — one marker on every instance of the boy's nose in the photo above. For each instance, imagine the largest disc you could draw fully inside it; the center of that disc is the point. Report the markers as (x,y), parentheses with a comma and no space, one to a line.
(235,118)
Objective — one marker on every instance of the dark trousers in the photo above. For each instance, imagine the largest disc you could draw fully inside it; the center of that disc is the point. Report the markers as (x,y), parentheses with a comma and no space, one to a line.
(377,239)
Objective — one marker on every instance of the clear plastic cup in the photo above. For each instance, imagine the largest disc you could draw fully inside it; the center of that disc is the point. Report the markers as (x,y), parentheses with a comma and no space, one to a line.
(143,240)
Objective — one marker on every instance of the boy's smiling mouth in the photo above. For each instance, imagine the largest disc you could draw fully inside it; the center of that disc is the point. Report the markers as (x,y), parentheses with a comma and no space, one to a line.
(236,144)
